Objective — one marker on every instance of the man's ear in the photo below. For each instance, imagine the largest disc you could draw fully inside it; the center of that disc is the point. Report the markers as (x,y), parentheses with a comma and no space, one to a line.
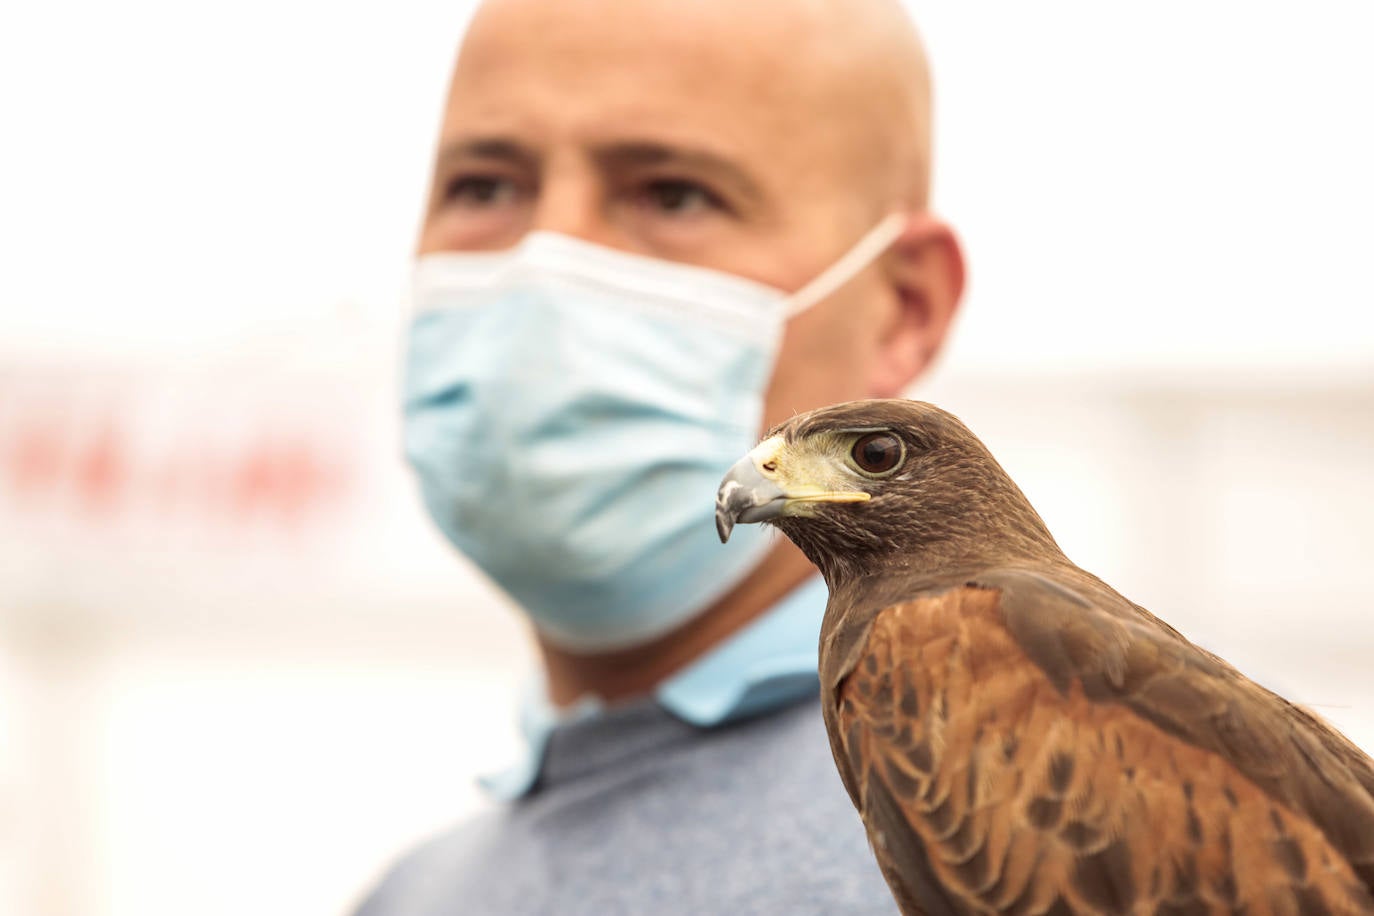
(925,269)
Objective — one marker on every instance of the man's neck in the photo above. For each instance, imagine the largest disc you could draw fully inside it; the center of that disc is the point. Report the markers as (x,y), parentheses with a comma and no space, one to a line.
(629,673)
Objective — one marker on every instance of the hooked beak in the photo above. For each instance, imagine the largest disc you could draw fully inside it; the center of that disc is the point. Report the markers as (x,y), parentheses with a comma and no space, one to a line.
(754,490)
(745,495)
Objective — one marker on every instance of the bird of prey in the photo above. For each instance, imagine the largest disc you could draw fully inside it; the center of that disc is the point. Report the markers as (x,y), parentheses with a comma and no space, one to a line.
(1017,736)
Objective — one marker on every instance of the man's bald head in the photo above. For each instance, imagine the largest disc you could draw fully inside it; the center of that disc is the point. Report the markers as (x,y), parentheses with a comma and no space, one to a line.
(760,138)
(829,95)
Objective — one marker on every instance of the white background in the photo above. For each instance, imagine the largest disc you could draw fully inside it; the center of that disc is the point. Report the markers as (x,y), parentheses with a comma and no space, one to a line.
(238,672)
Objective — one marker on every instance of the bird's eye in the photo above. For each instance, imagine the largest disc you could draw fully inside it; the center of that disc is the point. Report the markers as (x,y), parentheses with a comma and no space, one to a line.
(877,453)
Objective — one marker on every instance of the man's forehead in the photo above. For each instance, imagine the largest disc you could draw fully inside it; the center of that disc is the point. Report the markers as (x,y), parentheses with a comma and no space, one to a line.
(627,106)
(793,81)
(646,60)
(723,30)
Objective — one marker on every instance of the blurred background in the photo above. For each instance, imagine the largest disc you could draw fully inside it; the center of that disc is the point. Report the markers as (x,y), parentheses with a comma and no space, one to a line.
(238,671)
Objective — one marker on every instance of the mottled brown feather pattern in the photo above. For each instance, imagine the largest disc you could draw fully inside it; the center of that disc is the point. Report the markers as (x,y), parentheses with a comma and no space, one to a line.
(1020,738)
(1025,797)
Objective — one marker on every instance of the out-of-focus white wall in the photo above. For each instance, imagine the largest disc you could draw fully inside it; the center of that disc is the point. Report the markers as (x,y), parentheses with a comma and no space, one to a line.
(238,671)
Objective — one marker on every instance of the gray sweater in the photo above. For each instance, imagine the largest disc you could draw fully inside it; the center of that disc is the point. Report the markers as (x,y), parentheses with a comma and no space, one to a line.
(637,812)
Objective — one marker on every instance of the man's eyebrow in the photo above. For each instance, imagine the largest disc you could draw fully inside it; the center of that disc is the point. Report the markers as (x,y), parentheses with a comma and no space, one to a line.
(487,148)
(648,153)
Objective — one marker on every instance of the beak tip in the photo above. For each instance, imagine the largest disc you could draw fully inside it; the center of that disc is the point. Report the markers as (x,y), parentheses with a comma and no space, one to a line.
(724,525)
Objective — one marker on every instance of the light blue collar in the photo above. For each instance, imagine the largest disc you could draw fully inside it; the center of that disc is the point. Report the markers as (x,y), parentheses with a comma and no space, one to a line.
(767,665)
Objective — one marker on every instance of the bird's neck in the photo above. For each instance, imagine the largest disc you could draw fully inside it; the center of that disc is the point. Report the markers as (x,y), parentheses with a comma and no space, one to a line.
(983,534)
(936,561)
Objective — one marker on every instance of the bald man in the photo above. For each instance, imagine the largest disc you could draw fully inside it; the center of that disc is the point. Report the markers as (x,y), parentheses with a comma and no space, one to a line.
(656,229)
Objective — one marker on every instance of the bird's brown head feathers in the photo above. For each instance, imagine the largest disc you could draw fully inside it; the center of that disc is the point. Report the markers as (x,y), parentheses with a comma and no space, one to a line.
(867,487)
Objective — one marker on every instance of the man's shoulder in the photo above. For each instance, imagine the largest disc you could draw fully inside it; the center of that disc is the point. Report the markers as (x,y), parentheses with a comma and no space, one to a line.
(750,817)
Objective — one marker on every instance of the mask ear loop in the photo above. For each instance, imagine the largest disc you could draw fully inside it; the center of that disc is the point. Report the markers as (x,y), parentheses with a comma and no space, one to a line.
(865,251)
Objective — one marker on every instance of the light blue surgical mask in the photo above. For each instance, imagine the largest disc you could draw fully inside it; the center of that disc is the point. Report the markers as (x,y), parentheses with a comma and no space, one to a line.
(569,411)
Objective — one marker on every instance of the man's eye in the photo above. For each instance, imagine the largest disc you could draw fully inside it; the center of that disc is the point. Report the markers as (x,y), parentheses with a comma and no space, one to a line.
(479,190)
(680,197)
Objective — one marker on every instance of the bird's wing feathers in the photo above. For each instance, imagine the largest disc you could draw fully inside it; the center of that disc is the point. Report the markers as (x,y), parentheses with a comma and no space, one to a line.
(1192,695)
(1013,749)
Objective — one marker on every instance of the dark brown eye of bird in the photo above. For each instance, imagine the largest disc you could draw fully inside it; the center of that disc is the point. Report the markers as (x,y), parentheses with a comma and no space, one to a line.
(877,453)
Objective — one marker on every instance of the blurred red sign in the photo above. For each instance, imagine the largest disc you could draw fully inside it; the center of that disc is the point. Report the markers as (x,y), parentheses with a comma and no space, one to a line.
(65,452)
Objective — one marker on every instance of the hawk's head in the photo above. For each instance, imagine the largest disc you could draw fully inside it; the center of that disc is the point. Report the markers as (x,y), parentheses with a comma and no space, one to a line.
(868,485)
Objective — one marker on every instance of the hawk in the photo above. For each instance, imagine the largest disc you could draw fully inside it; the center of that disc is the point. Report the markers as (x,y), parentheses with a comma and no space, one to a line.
(1017,736)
